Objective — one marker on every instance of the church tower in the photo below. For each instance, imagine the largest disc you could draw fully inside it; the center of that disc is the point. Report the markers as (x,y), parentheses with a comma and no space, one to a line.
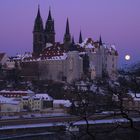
(49,29)
(100,41)
(67,36)
(80,38)
(38,35)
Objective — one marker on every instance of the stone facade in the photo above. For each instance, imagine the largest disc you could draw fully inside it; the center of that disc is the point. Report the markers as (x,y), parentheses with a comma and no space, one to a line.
(103,58)
(67,69)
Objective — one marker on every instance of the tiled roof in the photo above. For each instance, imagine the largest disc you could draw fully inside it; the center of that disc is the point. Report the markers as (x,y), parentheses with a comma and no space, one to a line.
(55,50)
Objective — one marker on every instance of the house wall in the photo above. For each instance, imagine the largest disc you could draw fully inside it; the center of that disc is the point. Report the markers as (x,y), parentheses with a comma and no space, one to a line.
(7,107)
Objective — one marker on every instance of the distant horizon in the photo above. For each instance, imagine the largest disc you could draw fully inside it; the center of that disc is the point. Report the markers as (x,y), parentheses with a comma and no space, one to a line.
(118,23)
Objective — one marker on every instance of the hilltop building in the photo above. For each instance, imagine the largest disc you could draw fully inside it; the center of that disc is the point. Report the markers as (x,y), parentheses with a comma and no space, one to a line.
(67,61)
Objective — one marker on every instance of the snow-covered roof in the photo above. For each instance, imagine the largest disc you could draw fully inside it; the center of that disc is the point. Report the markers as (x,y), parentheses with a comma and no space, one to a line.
(135,96)
(66,103)
(17,91)
(22,56)
(113,47)
(54,52)
(49,45)
(5,100)
(87,43)
(44,96)
(26,97)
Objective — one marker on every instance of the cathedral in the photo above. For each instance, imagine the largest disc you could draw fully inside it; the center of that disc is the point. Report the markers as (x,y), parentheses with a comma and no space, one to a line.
(67,61)
(43,36)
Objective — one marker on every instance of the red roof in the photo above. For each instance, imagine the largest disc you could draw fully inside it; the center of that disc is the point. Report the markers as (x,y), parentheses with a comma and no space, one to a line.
(55,50)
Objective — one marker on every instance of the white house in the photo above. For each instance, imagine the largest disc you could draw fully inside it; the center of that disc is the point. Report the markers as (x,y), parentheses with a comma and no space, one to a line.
(9,105)
(61,103)
(38,102)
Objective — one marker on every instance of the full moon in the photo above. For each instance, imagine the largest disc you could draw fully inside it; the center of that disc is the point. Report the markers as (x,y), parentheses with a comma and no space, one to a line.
(127,57)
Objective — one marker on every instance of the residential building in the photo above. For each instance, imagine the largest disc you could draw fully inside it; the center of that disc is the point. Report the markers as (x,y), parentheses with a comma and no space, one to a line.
(38,102)
(16,94)
(9,104)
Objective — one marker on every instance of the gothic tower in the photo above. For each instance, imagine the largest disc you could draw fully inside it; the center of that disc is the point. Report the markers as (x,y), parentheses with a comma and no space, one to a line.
(80,38)
(38,35)
(67,36)
(49,30)
(100,41)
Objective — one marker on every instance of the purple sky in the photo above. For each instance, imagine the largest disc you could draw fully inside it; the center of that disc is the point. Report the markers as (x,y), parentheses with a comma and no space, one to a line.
(118,21)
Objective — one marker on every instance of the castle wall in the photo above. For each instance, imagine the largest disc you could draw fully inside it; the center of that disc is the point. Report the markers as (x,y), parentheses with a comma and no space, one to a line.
(74,66)
(30,70)
(96,62)
(112,61)
(52,70)
(68,69)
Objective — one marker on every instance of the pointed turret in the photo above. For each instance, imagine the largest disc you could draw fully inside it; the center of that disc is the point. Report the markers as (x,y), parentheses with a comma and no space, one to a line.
(67,36)
(100,41)
(49,15)
(80,38)
(38,34)
(49,29)
(38,25)
(67,27)
(38,12)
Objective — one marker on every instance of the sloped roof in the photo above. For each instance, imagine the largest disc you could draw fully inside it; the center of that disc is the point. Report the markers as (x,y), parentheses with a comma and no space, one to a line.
(57,50)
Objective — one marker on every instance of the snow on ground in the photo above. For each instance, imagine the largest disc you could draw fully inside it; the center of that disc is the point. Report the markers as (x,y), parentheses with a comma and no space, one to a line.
(65,103)
(135,96)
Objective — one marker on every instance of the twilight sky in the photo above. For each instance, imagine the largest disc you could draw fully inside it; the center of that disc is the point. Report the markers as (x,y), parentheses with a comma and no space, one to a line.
(118,21)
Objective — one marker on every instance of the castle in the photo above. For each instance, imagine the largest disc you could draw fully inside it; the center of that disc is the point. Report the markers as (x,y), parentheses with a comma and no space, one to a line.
(67,61)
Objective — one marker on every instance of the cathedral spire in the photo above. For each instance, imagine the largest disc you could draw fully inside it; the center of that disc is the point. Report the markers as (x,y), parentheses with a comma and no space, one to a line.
(38,13)
(49,15)
(100,41)
(80,38)
(49,29)
(67,27)
(38,34)
(38,25)
(67,36)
